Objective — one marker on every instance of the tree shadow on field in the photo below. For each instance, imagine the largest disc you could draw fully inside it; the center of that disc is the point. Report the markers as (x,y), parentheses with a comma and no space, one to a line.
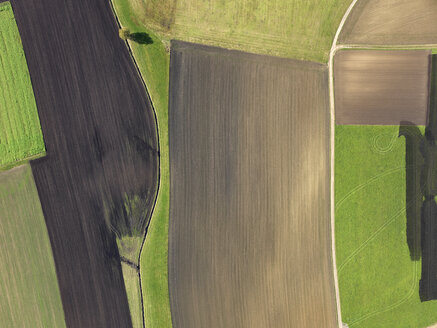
(414,162)
(141,38)
(421,191)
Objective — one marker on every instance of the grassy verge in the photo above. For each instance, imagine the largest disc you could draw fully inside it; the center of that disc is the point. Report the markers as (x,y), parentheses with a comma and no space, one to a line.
(378,278)
(287,28)
(20,130)
(132,285)
(29,290)
(153,62)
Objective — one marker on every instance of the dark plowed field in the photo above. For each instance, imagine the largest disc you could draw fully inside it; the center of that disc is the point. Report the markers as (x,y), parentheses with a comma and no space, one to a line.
(100,136)
(381,87)
(249,239)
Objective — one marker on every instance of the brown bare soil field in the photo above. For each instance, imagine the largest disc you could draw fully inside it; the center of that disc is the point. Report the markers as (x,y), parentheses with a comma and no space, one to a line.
(391,22)
(249,239)
(381,86)
(101,162)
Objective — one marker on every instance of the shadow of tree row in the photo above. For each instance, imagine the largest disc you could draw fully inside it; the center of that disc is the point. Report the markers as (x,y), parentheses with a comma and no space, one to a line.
(421,192)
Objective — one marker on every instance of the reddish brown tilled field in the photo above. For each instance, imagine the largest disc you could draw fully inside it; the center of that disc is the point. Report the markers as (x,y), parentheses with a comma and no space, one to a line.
(100,136)
(249,238)
(384,87)
(391,22)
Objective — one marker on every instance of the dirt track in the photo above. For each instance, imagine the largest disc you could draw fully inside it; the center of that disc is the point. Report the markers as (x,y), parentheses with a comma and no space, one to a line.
(100,138)
(249,210)
(381,86)
(391,22)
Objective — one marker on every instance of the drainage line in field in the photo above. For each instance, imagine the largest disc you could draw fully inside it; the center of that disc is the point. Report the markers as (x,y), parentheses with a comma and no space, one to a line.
(130,263)
(158,153)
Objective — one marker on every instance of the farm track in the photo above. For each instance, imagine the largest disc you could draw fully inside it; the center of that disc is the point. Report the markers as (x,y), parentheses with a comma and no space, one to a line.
(249,238)
(98,128)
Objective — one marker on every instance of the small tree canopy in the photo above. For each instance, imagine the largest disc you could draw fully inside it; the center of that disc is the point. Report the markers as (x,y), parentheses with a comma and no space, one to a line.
(124,33)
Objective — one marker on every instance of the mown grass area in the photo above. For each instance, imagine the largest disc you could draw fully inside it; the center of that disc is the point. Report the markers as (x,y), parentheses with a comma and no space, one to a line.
(132,285)
(287,28)
(153,62)
(29,289)
(378,278)
(20,130)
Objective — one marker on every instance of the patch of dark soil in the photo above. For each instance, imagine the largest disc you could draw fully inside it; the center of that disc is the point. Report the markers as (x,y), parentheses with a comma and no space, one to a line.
(93,110)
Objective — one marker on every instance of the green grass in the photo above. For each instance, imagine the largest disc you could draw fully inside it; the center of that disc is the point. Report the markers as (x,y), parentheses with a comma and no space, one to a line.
(379,283)
(20,131)
(153,62)
(29,289)
(132,285)
(287,28)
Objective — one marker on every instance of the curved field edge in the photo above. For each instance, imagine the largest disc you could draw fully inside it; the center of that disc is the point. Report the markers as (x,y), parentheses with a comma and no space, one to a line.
(21,136)
(153,62)
(379,282)
(30,295)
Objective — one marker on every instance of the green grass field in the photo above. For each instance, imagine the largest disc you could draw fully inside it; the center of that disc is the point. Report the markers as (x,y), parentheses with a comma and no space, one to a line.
(20,130)
(132,285)
(153,62)
(287,28)
(29,289)
(379,282)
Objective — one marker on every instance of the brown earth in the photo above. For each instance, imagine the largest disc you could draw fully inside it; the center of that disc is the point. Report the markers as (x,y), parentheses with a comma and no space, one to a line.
(249,239)
(100,137)
(391,22)
(381,86)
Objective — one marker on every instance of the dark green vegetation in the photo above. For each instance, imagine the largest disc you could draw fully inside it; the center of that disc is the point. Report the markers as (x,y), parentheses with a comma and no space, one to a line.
(29,287)
(287,28)
(377,226)
(153,62)
(20,132)
(250,236)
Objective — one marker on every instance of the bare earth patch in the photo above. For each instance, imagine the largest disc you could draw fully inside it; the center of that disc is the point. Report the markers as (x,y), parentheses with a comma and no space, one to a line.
(391,22)
(381,87)
(249,239)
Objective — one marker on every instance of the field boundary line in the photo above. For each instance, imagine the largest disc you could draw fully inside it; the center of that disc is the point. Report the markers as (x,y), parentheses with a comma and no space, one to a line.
(387,47)
(158,185)
(332,145)
(23,161)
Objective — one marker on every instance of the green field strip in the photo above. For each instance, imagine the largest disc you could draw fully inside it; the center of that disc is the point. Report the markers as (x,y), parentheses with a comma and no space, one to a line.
(20,135)
(293,29)
(29,287)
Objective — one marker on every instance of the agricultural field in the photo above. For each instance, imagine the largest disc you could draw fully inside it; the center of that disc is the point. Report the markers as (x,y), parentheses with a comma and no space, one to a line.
(133,291)
(391,22)
(382,86)
(250,237)
(20,131)
(29,289)
(153,62)
(378,204)
(97,184)
(293,29)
